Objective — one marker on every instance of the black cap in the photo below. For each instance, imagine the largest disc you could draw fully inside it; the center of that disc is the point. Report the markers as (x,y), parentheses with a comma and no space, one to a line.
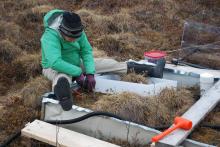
(71,25)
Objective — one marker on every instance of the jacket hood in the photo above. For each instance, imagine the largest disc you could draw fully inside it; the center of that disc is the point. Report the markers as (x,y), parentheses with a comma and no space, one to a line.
(53,18)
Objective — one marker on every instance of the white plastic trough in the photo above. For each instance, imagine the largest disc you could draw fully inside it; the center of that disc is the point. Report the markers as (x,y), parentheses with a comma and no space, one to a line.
(105,128)
(112,84)
(188,76)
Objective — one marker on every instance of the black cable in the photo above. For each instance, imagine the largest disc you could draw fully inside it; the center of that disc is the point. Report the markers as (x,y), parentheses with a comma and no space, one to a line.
(98,113)
(180,62)
(193,65)
(216,127)
(10,139)
(86,116)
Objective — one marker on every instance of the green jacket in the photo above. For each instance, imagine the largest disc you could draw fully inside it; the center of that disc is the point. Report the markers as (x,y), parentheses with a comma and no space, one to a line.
(63,56)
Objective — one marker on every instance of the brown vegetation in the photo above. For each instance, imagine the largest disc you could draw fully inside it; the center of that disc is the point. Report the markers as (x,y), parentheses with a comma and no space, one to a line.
(207,135)
(151,111)
(134,78)
(22,107)
(8,51)
(27,66)
(10,31)
(33,90)
(212,59)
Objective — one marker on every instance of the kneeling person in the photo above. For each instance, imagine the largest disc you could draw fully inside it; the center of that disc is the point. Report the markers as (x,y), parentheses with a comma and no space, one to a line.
(64,45)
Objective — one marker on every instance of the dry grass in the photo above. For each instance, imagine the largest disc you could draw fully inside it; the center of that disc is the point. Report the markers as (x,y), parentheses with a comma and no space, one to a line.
(212,59)
(86,100)
(111,46)
(42,9)
(177,101)
(3,87)
(98,24)
(152,111)
(123,22)
(109,6)
(128,105)
(123,46)
(6,78)
(22,107)
(30,40)
(16,116)
(213,117)
(99,53)
(95,24)
(19,71)
(8,51)
(10,30)
(135,78)
(207,135)
(33,90)
(27,66)
(31,22)
(11,6)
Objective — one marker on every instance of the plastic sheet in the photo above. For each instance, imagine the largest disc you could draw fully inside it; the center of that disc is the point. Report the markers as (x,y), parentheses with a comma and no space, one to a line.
(200,41)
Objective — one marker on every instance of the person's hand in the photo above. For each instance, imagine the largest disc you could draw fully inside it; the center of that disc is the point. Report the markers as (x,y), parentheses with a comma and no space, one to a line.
(80,80)
(89,83)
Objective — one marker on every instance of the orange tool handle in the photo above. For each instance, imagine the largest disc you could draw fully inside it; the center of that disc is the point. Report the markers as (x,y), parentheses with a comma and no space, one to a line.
(165,133)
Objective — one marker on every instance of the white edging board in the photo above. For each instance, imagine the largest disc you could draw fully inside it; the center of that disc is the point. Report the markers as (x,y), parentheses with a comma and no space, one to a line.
(153,88)
(196,113)
(189,69)
(55,135)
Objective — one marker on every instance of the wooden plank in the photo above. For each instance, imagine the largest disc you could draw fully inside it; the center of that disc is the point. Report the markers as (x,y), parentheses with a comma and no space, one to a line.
(196,113)
(62,137)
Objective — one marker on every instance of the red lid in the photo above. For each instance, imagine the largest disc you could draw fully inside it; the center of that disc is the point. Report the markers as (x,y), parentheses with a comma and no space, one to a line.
(155,54)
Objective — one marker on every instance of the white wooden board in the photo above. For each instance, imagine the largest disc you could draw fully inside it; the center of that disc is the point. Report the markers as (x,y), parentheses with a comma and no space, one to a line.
(62,137)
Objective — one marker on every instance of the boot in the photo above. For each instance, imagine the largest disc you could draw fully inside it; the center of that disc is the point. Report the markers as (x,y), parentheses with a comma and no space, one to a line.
(63,93)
